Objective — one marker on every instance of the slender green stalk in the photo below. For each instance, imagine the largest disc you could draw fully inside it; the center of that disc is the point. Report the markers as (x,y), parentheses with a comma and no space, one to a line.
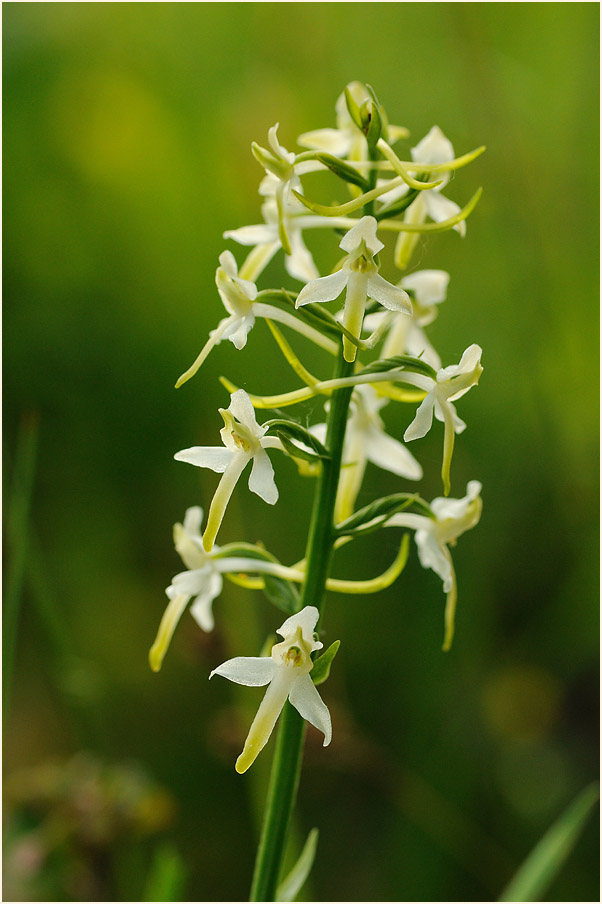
(286,765)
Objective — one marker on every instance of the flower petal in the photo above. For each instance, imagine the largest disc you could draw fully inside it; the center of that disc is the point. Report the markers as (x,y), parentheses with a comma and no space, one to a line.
(307,620)
(457,509)
(423,420)
(331,140)
(193,520)
(260,234)
(392,297)
(391,455)
(201,607)
(327,288)
(265,719)
(429,286)
(299,263)
(307,701)
(253,671)
(363,231)
(170,619)
(228,264)
(261,479)
(440,208)
(242,409)
(214,457)
(433,554)
(435,147)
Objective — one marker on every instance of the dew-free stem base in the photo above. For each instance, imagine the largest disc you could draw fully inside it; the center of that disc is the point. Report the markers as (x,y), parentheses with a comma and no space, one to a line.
(286,766)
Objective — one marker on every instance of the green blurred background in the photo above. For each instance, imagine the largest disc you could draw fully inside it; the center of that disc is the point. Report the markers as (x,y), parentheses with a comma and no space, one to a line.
(127,131)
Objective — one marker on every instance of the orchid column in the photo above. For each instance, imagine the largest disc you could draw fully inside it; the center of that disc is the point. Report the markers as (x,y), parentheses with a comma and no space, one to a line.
(373,326)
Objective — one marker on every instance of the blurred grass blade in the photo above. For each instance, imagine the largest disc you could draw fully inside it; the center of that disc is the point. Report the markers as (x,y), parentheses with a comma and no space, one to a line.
(548,856)
(166,877)
(290,887)
(17,538)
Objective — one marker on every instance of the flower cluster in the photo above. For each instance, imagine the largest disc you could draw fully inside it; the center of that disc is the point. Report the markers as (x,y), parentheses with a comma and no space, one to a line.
(375,325)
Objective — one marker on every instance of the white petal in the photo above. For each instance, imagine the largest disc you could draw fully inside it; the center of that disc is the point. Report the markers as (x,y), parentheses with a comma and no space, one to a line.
(435,147)
(444,507)
(319,431)
(201,606)
(193,582)
(365,231)
(214,457)
(419,346)
(242,409)
(300,264)
(261,479)
(433,555)
(429,286)
(307,701)
(331,140)
(440,208)
(409,519)
(327,288)
(239,330)
(458,424)
(265,719)
(422,423)
(307,620)
(392,297)
(391,455)
(260,234)
(193,520)
(253,671)
(228,264)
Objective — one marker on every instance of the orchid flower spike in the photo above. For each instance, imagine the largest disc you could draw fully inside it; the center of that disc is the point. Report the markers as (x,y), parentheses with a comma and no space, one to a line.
(286,671)
(450,384)
(244,440)
(359,275)
(366,441)
(434,536)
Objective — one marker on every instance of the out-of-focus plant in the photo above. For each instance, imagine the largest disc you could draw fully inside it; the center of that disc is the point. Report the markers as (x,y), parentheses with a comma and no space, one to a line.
(75,830)
(376,336)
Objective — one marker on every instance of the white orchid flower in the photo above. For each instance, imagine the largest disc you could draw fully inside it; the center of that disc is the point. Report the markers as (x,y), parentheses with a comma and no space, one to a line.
(244,440)
(286,671)
(202,583)
(359,275)
(347,140)
(265,237)
(405,335)
(282,176)
(366,441)
(449,385)
(434,536)
(435,148)
(239,298)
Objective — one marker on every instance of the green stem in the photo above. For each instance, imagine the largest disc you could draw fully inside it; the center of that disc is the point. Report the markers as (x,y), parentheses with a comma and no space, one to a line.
(286,765)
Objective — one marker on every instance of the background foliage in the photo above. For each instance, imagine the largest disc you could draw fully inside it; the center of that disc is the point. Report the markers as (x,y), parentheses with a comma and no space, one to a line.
(127,131)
